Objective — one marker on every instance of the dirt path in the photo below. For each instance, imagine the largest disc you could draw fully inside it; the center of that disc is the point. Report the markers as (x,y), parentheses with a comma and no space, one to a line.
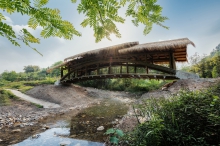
(45,104)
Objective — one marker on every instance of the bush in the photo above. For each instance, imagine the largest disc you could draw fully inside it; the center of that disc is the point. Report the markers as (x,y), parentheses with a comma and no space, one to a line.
(5,97)
(129,85)
(191,118)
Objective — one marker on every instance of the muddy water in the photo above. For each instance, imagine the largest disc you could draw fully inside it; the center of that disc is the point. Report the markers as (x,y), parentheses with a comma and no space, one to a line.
(84,125)
(45,104)
(80,129)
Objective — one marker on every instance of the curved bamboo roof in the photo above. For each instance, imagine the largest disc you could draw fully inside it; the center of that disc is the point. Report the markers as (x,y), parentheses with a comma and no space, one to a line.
(157,50)
(107,50)
(170,45)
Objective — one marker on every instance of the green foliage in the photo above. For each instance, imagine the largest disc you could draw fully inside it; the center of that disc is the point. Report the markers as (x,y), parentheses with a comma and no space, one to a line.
(101,15)
(47,18)
(215,72)
(55,72)
(130,85)
(31,68)
(146,12)
(205,66)
(24,86)
(38,105)
(6,96)
(9,76)
(115,135)
(190,118)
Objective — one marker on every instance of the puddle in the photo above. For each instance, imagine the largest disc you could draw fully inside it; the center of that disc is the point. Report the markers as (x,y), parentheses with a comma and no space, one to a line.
(56,137)
(45,104)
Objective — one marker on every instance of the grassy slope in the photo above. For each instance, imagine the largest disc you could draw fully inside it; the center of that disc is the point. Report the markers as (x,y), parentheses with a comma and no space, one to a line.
(6,96)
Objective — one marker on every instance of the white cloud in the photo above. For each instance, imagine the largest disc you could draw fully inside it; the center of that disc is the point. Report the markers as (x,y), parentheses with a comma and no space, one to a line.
(8,20)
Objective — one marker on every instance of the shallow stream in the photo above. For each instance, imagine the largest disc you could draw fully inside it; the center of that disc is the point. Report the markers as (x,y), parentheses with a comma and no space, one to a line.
(80,129)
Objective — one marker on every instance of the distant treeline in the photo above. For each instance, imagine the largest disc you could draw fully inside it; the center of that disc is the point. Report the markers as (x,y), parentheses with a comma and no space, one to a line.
(207,66)
(31,73)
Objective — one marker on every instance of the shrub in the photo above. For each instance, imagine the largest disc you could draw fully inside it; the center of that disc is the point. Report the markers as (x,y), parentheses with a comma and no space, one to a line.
(5,97)
(191,118)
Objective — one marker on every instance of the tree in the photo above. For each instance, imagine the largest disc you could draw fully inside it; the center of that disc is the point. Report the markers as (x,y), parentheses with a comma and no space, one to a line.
(9,76)
(101,15)
(56,72)
(31,68)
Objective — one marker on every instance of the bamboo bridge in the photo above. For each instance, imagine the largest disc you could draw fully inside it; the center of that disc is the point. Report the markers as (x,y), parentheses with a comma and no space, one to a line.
(155,60)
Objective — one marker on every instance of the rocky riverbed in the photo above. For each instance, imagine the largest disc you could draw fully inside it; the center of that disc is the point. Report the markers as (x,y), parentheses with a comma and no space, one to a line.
(23,119)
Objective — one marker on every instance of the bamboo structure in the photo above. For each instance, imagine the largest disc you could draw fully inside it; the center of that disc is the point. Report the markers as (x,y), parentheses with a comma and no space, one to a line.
(159,56)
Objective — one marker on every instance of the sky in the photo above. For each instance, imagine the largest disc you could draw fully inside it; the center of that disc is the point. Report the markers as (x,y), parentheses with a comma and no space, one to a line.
(198,20)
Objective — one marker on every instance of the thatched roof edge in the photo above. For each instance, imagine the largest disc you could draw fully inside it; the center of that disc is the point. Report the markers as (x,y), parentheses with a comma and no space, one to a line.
(97,51)
(159,46)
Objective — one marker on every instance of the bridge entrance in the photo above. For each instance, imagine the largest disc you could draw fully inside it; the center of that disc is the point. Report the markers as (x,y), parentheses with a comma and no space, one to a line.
(155,60)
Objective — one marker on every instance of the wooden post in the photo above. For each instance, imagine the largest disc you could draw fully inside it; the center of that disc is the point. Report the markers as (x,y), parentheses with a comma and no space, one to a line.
(98,69)
(76,73)
(68,72)
(109,69)
(171,60)
(147,71)
(86,73)
(61,72)
(121,69)
(174,62)
(110,66)
(135,68)
(127,68)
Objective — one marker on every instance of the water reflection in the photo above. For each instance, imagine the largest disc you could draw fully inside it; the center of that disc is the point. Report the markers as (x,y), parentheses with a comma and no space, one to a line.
(56,137)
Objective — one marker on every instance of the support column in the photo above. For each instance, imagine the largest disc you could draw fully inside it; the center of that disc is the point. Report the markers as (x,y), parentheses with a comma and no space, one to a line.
(146,62)
(110,69)
(110,66)
(147,70)
(135,68)
(61,72)
(76,73)
(172,63)
(121,69)
(68,72)
(98,69)
(86,73)
(127,71)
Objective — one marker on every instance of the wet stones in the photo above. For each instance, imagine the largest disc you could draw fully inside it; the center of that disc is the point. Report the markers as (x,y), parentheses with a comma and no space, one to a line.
(8,120)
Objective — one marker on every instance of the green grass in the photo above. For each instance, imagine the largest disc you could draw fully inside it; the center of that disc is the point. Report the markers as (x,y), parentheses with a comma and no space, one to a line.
(24,86)
(38,105)
(6,97)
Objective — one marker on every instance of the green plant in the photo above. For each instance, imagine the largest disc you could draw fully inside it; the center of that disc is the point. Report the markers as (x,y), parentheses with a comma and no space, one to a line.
(102,16)
(189,118)
(6,96)
(38,105)
(115,135)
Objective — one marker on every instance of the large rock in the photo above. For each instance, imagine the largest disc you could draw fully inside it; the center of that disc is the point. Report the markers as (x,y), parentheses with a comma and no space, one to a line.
(16,130)
(100,128)
(186,75)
